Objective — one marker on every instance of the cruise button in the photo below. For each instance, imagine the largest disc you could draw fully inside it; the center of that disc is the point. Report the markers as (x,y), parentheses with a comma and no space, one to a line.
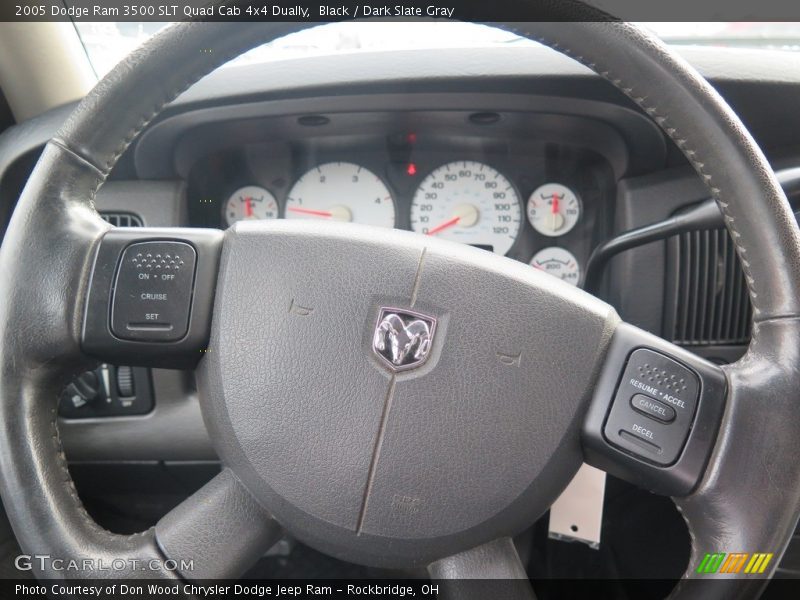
(653,408)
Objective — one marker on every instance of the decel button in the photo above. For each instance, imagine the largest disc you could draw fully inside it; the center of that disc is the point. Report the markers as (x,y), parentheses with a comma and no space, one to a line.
(152,295)
(652,408)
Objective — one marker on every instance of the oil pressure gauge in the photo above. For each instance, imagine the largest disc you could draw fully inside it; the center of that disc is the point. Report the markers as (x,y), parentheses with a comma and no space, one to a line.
(559,263)
(553,209)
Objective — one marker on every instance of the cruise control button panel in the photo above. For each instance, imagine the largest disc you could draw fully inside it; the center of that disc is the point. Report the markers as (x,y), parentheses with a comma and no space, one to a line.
(655,413)
(152,295)
(654,407)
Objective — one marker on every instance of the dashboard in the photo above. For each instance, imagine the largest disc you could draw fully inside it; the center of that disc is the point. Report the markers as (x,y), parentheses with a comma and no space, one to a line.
(397,140)
(538,200)
(517,151)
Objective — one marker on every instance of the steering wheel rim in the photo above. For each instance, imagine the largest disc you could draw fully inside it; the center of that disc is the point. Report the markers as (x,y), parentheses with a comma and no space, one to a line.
(41,320)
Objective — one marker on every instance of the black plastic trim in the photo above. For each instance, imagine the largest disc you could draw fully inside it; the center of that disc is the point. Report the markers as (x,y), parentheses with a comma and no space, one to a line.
(629,141)
(172,431)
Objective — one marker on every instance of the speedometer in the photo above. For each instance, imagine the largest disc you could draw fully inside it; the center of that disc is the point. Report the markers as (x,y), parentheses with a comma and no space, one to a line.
(341,191)
(468,202)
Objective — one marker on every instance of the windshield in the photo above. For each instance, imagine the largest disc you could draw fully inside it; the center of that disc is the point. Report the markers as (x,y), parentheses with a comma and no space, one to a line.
(107,43)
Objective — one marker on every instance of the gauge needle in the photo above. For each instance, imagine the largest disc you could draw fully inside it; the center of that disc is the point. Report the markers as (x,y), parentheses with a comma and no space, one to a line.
(557,218)
(443,226)
(248,207)
(554,211)
(466,215)
(309,211)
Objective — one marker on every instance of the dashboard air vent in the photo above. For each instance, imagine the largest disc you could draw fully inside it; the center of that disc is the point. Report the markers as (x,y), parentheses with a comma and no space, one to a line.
(122,219)
(707,301)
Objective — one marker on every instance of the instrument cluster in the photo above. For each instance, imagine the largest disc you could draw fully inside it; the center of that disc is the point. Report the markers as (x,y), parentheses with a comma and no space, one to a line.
(540,204)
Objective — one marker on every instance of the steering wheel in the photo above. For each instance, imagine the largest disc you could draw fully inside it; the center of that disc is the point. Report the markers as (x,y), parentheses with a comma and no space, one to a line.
(388,398)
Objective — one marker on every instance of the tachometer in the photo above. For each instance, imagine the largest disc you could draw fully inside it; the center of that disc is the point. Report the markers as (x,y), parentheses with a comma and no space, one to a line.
(468,202)
(250,202)
(341,191)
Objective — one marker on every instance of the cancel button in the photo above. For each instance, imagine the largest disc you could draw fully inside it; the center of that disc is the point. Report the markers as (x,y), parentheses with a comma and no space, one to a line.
(653,408)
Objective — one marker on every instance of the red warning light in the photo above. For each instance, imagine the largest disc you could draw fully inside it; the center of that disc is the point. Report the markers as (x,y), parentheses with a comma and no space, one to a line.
(412,138)
(411,169)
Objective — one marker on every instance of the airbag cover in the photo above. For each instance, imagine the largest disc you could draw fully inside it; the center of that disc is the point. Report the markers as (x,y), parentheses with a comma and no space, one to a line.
(395,467)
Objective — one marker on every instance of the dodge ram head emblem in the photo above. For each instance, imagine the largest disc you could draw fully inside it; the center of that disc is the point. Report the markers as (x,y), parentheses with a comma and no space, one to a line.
(403,338)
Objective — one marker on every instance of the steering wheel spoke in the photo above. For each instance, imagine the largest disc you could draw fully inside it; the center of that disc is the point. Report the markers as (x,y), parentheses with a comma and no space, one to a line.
(655,413)
(474,573)
(150,296)
(218,532)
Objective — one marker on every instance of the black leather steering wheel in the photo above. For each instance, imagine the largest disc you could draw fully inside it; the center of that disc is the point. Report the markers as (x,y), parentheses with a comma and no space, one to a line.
(437,464)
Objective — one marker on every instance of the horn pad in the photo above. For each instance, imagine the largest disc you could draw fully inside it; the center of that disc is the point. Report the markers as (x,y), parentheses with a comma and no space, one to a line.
(472,434)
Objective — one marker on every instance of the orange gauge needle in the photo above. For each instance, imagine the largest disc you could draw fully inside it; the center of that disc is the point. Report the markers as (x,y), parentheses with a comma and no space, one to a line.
(309,211)
(443,226)
(248,207)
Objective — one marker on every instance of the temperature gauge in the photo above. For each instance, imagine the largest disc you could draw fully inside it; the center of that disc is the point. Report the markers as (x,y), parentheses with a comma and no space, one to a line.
(250,202)
(559,263)
(553,209)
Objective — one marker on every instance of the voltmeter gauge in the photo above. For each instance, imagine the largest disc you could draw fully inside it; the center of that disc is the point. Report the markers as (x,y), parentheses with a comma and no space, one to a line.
(553,209)
(559,263)
(250,202)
